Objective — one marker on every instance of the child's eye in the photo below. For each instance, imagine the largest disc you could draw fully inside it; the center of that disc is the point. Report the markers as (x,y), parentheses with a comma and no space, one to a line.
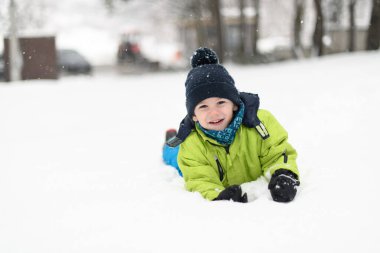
(202,107)
(221,102)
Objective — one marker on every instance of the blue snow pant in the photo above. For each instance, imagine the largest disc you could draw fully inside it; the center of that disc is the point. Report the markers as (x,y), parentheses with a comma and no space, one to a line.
(169,155)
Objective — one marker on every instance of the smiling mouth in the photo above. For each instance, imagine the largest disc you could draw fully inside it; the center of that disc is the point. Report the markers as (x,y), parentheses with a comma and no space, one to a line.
(217,122)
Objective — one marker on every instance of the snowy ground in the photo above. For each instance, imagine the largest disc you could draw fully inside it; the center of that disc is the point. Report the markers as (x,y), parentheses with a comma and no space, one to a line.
(81,170)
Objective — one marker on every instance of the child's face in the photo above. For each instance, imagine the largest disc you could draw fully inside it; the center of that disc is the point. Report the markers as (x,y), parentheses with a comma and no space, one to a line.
(214,113)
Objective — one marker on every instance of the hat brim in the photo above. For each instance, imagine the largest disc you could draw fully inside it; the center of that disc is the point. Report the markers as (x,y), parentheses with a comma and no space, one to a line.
(221,90)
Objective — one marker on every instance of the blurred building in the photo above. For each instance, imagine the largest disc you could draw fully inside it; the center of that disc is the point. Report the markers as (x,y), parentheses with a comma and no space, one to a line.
(39,60)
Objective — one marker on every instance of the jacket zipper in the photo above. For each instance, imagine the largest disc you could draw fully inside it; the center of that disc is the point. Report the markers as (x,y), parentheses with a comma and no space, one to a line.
(285,156)
(220,169)
(227,148)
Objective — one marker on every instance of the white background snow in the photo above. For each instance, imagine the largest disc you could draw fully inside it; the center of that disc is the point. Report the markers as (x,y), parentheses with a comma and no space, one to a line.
(81,169)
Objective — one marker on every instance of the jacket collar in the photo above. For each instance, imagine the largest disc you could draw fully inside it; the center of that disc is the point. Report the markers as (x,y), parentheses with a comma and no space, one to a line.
(205,137)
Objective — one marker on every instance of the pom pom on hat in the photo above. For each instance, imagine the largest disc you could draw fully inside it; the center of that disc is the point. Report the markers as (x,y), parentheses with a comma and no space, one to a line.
(203,56)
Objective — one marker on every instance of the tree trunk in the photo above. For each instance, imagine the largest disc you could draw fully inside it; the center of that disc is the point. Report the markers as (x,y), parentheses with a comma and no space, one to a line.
(298,22)
(217,21)
(15,56)
(352,31)
(255,27)
(319,31)
(241,49)
(196,9)
(373,37)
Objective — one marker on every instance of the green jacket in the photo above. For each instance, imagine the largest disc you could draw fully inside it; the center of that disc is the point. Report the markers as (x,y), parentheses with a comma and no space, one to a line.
(245,160)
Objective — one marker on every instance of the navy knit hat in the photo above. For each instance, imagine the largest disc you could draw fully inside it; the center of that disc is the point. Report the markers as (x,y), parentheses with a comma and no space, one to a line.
(208,78)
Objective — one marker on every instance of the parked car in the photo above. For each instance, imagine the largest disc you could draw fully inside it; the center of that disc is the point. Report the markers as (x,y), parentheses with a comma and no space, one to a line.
(71,62)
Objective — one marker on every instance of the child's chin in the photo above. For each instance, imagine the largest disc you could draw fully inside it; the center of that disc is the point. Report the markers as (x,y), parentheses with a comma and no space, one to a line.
(216,128)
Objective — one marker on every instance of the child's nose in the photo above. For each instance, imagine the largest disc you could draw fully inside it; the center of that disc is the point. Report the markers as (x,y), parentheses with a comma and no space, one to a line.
(214,111)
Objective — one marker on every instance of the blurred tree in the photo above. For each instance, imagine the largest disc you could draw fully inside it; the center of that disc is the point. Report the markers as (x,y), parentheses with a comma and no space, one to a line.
(109,5)
(31,15)
(15,57)
(241,48)
(195,7)
(256,27)
(216,21)
(192,16)
(319,30)
(298,22)
(373,36)
(352,28)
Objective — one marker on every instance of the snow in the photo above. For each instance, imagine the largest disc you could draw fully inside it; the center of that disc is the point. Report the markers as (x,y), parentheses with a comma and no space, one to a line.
(81,169)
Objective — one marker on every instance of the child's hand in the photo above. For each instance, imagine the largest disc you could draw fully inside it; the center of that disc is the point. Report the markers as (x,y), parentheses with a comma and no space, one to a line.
(233,193)
(283,185)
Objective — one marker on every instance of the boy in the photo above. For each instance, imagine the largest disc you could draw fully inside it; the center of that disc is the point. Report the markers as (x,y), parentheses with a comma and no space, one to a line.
(225,140)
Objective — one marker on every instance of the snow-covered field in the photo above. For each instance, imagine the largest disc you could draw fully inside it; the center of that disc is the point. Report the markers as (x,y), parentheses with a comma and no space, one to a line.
(81,169)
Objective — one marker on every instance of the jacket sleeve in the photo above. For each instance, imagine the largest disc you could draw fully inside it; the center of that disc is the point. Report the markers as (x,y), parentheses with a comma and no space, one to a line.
(276,152)
(199,175)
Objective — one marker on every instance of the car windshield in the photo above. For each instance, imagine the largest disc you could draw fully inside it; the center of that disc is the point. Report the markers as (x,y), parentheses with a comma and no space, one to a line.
(69,56)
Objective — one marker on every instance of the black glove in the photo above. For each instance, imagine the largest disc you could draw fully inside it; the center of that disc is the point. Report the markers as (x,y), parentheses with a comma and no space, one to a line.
(233,193)
(283,185)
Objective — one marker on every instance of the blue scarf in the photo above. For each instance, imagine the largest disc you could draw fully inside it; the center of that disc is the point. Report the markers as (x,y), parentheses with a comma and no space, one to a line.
(227,135)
